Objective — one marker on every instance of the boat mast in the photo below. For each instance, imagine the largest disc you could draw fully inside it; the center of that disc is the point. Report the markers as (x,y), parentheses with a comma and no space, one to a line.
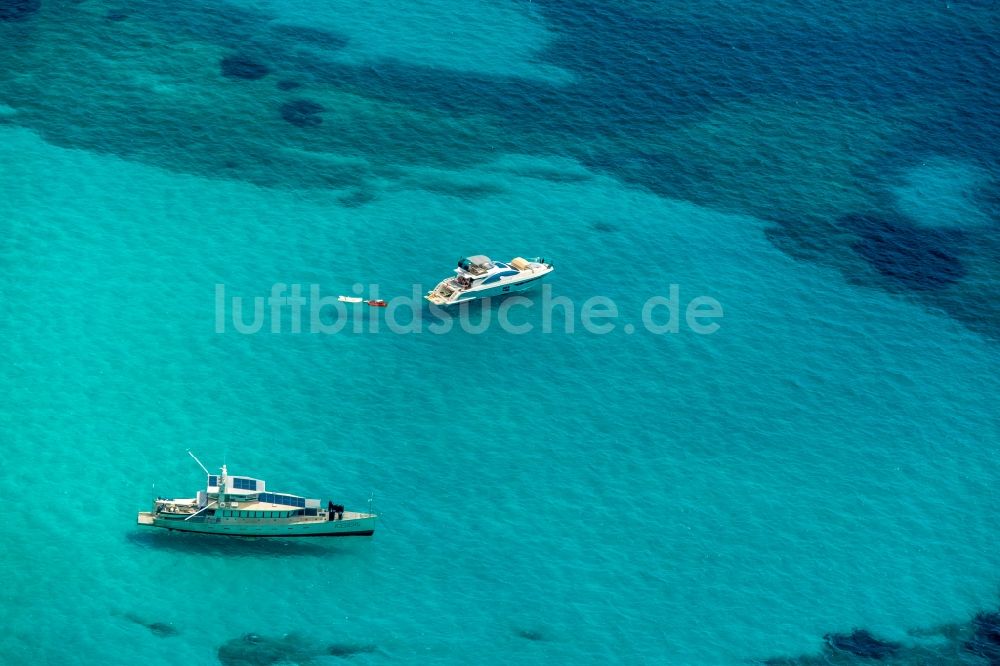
(199,462)
(222,485)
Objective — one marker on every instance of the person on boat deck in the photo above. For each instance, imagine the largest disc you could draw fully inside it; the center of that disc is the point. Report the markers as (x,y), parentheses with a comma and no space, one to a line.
(335,511)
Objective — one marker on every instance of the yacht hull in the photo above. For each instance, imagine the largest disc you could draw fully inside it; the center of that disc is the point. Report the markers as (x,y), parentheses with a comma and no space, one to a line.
(492,291)
(275,528)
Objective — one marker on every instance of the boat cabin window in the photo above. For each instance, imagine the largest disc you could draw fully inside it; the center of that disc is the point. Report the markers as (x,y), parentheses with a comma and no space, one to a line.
(285,500)
(241,483)
(213,480)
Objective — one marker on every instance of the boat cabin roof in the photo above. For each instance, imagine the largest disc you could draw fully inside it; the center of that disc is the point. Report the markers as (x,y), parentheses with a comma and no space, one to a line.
(236,485)
(247,489)
(477,264)
(276,502)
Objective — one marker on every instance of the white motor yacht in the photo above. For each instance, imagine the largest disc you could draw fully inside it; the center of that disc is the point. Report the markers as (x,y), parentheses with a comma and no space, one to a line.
(480,277)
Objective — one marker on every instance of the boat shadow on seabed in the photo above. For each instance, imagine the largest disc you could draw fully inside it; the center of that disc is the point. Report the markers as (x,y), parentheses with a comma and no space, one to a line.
(233,546)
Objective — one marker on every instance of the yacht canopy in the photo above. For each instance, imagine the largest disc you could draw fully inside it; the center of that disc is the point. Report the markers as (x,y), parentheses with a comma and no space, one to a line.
(477,264)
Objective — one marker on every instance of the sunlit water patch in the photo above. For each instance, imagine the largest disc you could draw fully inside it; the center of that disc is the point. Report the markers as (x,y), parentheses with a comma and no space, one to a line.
(942,193)
(714,498)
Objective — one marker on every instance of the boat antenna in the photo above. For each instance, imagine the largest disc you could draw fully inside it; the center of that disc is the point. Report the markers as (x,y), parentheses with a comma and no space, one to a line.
(197,461)
(208,505)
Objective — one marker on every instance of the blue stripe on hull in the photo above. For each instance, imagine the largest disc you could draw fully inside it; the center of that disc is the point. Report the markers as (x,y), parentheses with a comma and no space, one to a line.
(499,290)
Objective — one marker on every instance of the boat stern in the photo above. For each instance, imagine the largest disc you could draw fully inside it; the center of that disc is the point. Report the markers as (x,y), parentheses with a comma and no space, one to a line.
(443,294)
(435,298)
(146,518)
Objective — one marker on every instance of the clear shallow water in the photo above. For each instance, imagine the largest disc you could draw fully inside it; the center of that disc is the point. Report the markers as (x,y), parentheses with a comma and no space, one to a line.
(826,460)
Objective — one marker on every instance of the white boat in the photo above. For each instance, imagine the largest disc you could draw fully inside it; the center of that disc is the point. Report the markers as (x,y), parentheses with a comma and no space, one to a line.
(242,506)
(480,277)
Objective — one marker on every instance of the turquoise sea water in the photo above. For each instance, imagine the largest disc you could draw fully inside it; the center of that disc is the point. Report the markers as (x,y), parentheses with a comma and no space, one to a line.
(826,460)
